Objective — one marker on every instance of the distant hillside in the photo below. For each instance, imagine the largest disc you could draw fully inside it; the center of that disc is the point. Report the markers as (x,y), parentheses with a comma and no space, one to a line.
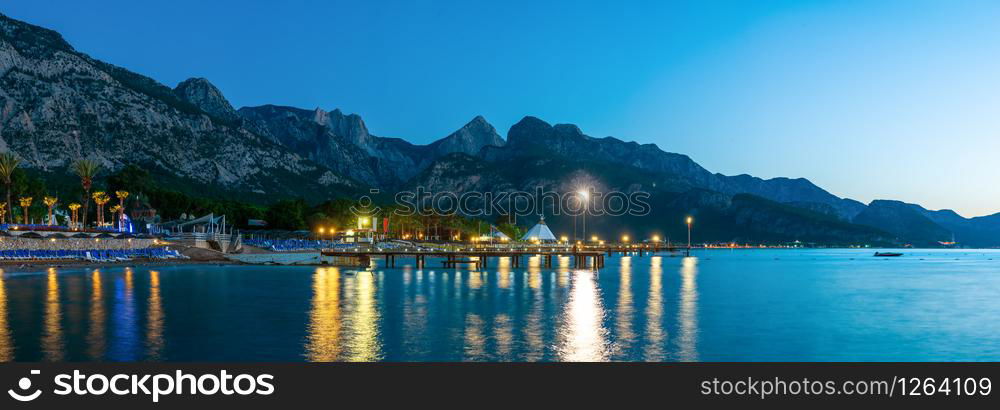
(902,220)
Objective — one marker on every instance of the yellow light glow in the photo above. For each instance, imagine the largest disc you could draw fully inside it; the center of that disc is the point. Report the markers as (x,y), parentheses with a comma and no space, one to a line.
(656,238)
(564,239)
(321,230)
(625,238)
(593,238)
(690,220)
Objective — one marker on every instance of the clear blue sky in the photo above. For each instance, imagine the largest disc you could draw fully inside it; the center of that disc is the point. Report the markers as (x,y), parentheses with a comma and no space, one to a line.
(887,99)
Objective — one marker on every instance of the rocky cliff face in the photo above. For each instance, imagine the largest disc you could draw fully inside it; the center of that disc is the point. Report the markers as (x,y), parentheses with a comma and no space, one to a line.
(59,105)
(204,95)
(342,142)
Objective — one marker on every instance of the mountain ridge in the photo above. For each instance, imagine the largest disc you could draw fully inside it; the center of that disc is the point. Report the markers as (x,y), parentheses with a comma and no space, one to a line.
(59,105)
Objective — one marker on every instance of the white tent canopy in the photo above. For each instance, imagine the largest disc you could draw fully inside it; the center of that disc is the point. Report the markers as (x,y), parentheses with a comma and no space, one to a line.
(497,234)
(539,232)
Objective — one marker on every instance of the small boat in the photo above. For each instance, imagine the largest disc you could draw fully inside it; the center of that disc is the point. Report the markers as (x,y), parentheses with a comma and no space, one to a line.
(888,254)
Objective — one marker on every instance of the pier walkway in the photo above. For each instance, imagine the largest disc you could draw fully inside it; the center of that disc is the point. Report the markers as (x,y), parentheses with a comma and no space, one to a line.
(583,257)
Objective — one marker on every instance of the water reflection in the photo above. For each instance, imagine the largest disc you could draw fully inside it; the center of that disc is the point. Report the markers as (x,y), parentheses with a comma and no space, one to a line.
(363,342)
(154,318)
(6,342)
(583,337)
(687,314)
(125,333)
(623,323)
(503,273)
(655,335)
(95,336)
(324,326)
(52,340)
(475,340)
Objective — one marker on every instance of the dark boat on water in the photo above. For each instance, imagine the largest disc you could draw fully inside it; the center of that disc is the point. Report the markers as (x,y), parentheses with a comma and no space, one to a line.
(888,254)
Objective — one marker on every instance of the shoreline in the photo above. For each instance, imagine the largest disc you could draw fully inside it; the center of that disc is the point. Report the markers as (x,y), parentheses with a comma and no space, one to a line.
(39,266)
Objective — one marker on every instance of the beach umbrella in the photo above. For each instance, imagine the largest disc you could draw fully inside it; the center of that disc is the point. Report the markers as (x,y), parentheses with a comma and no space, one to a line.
(30,235)
(105,236)
(58,235)
(80,235)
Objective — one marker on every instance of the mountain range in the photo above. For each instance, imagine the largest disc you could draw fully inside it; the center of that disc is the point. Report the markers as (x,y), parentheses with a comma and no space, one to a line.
(58,104)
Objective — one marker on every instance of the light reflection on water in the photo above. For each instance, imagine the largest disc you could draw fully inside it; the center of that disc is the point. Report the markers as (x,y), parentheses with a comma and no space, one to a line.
(95,338)
(6,344)
(729,306)
(154,319)
(52,342)
(583,337)
(655,335)
(687,313)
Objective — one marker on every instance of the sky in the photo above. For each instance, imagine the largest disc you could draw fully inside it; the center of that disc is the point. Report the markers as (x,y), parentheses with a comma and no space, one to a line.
(869,100)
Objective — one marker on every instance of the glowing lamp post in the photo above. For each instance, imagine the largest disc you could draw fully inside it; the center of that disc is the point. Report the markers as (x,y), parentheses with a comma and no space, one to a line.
(689,221)
(585,198)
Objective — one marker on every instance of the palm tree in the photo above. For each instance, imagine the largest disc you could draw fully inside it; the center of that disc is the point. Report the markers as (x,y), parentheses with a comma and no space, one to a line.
(73,220)
(121,205)
(25,204)
(8,163)
(51,201)
(86,169)
(100,198)
(115,210)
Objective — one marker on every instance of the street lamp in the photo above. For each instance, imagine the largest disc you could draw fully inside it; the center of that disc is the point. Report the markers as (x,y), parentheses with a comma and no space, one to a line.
(689,221)
(586,198)
(624,238)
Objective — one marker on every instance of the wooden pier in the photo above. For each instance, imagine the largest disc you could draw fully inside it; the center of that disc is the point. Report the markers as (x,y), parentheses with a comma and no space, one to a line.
(477,257)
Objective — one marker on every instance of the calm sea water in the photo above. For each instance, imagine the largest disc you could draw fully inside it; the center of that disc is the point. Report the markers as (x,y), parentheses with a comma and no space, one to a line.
(718,305)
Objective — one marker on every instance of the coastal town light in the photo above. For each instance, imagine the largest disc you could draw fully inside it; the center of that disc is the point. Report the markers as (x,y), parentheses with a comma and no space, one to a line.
(624,238)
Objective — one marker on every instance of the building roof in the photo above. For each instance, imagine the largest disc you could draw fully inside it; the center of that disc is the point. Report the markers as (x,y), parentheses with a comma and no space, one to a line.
(539,232)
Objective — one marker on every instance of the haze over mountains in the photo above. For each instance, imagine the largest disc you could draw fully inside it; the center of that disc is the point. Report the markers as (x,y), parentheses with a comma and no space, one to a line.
(59,105)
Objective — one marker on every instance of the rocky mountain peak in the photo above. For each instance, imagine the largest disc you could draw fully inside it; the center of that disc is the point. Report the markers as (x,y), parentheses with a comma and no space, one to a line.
(469,139)
(31,40)
(528,130)
(206,96)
